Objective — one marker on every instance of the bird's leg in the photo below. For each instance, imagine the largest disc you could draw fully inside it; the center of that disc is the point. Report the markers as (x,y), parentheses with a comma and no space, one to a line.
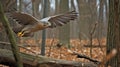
(20,34)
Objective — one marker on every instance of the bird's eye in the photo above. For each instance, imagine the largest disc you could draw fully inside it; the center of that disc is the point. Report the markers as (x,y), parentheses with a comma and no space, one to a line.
(47,23)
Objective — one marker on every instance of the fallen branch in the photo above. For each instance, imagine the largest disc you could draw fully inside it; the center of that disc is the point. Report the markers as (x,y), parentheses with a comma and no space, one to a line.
(86,57)
(6,58)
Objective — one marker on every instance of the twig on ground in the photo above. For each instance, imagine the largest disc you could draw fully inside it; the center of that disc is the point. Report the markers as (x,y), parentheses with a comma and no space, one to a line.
(86,57)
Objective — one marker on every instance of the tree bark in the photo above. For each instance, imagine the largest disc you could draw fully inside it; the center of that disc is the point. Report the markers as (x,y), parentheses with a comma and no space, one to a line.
(113,35)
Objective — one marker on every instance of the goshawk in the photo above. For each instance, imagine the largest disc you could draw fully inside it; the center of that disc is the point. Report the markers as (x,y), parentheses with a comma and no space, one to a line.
(28,24)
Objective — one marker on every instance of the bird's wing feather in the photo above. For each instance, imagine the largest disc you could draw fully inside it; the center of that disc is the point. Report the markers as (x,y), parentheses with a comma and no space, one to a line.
(17,28)
(62,19)
(23,18)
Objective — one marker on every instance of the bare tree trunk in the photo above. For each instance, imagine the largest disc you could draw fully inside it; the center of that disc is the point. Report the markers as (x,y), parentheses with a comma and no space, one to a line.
(64,31)
(35,7)
(20,5)
(45,13)
(84,11)
(113,35)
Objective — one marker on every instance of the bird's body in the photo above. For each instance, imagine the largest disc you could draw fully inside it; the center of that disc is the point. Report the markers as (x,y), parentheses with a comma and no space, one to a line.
(28,24)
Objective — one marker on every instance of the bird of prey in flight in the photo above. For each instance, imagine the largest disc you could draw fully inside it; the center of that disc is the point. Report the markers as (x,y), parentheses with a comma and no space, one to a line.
(28,24)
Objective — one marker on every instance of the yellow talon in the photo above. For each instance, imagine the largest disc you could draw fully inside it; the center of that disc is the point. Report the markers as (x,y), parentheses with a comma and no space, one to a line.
(20,34)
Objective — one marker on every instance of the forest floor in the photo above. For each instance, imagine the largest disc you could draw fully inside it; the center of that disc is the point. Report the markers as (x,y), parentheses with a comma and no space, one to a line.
(53,50)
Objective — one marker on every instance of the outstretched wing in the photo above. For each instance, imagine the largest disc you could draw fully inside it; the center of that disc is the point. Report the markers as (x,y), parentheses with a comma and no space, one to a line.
(23,18)
(62,19)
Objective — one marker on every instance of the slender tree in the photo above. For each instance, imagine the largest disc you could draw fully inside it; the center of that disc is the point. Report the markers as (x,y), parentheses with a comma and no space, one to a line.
(45,12)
